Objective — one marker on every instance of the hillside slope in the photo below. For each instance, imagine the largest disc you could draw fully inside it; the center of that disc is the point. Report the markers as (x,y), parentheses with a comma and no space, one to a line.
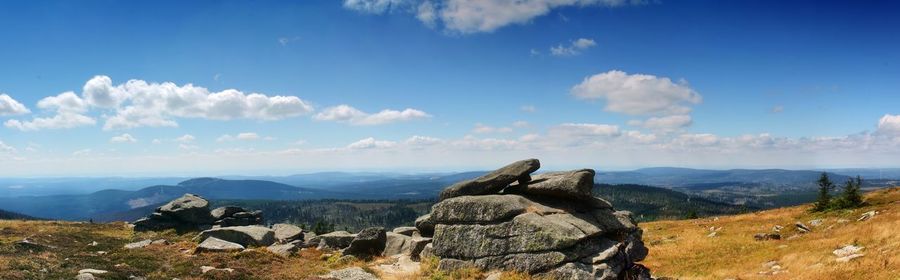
(7,215)
(684,249)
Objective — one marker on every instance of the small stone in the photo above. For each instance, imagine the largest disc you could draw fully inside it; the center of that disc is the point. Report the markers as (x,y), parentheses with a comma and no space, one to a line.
(159,242)
(84,276)
(847,250)
(139,244)
(213,244)
(284,250)
(777,228)
(802,227)
(867,215)
(352,273)
(92,271)
(285,233)
(816,222)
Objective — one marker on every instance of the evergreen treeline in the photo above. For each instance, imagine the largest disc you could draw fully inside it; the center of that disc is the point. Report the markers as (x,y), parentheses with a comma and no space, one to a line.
(652,203)
(849,197)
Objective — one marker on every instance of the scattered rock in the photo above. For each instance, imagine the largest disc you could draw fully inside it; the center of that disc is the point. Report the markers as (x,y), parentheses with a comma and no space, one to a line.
(332,241)
(139,244)
(777,228)
(408,231)
(495,181)
(367,243)
(225,211)
(93,244)
(92,271)
(397,244)
(213,244)
(767,236)
(816,222)
(160,242)
(419,244)
(801,227)
(841,221)
(206,269)
(352,273)
(847,253)
(285,233)
(244,235)
(84,276)
(31,246)
(712,234)
(425,226)
(867,215)
(284,250)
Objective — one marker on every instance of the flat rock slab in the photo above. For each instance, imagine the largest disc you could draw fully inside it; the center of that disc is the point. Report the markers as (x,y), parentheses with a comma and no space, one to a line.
(408,231)
(285,233)
(495,181)
(333,240)
(188,208)
(352,273)
(213,244)
(139,244)
(284,250)
(525,233)
(368,242)
(479,209)
(576,184)
(244,235)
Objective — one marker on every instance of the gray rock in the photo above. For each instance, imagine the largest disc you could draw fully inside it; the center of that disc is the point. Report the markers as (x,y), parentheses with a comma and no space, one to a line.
(418,246)
(478,209)
(188,208)
(425,226)
(225,211)
(244,235)
(397,244)
(285,233)
(408,231)
(84,276)
(802,228)
(524,262)
(576,184)
(213,244)
(139,244)
(284,250)
(159,242)
(92,271)
(570,271)
(367,243)
(332,241)
(495,181)
(154,224)
(449,264)
(427,251)
(526,233)
(352,273)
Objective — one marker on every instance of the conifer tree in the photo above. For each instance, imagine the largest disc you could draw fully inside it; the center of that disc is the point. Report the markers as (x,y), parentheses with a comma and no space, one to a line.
(851,197)
(823,202)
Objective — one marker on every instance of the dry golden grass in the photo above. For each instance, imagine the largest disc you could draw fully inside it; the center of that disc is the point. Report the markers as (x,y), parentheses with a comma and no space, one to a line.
(682,249)
(71,252)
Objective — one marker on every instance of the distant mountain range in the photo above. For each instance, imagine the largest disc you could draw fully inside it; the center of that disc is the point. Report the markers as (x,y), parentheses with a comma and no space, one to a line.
(751,188)
(7,215)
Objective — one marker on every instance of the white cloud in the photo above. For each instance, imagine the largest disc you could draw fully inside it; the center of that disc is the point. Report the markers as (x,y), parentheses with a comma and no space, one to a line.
(889,125)
(248,136)
(187,138)
(82,152)
(4,148)
(243,136)
(667,123)
(124,138)
(777,109)
(638,94)
(348,114)
(9,106)
(521,124)
(481,128)
(156,141)
(474,16)
(138,103)
(371,143)
(573,48)
(417,140)
(586,129)
(69,114)
(528,108)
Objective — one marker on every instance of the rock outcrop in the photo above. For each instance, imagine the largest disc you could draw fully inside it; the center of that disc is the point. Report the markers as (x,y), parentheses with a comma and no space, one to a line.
(191,212)
(245,235)
(548,225)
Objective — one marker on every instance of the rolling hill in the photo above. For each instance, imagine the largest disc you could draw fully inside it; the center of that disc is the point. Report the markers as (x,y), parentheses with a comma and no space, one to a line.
(7,215)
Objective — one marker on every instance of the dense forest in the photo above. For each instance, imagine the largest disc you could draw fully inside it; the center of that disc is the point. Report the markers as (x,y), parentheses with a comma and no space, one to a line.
(324,216)
(652,203)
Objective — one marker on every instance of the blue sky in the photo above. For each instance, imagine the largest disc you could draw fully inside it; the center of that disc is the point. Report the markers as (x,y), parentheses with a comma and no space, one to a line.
(445,85)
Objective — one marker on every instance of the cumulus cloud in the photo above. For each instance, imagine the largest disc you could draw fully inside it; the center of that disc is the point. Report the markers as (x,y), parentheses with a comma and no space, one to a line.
(889,125)
(417,140)
(481,128)
(474,16)
(69,108)
(9,106)
(243,136)
(573,48)
(348,114)
(371,143)
(638,94)
(138,103)
(187,138)
(667,123)
(4,148)
(124,138)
